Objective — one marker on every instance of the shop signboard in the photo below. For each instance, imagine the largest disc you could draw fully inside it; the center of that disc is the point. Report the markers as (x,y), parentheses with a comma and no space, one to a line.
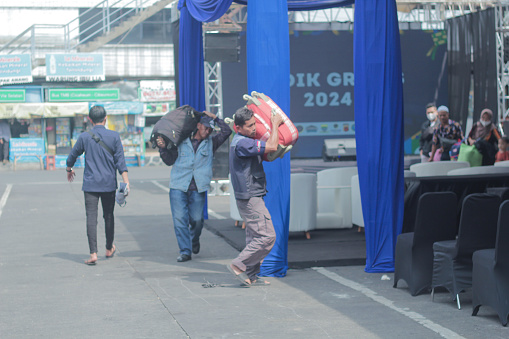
(26,147)
(156,91)
(15,69)
(75,67)
(158,108)
(84,94)
(12,95)
(120,107)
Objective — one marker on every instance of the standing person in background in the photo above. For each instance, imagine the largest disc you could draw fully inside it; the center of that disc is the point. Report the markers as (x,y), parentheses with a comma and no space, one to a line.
(485,135)
(190,179)
(427,129)
(447,133)
(104,156)
(249,184)
(503,153)
(5,137)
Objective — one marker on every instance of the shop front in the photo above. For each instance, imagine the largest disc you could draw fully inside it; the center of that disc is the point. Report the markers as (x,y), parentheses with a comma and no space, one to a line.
(125,117)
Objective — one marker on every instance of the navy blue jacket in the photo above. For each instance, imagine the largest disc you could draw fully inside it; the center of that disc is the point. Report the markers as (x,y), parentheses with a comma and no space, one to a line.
(100,166)
(246,168)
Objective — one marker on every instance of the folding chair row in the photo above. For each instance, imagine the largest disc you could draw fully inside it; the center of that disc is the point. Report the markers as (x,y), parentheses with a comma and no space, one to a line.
(432,256)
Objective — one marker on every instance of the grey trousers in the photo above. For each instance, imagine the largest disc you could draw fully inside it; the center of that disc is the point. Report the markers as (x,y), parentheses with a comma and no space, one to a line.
(260,235)
(91,209)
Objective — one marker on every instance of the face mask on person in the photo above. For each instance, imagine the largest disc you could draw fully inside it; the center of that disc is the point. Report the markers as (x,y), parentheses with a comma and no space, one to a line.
(431,116)
(485,123)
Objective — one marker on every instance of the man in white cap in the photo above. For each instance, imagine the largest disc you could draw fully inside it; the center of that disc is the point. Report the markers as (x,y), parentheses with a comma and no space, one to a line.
(447,133)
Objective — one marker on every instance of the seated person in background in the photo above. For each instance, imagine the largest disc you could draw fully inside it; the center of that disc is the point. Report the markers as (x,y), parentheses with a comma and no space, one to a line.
(446,134)
(503,153)
(484,135)
(427,129)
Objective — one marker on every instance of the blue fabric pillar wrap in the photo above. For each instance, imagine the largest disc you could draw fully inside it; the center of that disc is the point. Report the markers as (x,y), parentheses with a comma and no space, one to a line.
(268,71)
(191,76)
(379,128)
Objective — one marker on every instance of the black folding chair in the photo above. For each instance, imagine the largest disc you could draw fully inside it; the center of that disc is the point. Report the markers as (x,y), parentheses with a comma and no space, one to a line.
(490,277)
(452,259)
(435,221)
(502,192)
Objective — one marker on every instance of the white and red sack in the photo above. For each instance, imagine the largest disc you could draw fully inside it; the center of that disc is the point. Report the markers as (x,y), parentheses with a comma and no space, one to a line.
(263,108)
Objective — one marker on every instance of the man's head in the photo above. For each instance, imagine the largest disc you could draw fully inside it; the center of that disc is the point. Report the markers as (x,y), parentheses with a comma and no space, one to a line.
(503,143)
(431,111)
(97,114)
(245,122)
(204,127)
(443,114)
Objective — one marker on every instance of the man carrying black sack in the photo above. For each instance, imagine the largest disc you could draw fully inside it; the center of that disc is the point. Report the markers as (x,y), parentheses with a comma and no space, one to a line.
(190,179)
(104,155)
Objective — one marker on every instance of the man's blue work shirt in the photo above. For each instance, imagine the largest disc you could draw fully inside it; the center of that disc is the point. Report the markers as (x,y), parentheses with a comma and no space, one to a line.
(100,166)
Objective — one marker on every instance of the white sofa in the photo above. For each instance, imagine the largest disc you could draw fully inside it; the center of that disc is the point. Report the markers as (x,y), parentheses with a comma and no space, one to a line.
(303,203)
(234,211)
(334,197)
(437,168)
(357,217)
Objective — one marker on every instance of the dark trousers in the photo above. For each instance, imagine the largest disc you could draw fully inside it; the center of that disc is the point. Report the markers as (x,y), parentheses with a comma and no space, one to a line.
(4,151)
(91,208)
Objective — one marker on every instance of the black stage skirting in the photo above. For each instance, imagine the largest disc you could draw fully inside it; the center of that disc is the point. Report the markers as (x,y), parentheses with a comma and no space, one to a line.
(461,185)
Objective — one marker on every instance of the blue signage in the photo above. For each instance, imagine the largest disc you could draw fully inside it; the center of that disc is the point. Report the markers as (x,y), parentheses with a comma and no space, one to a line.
(15,69)
(326,128)
(26,147)
(74,67)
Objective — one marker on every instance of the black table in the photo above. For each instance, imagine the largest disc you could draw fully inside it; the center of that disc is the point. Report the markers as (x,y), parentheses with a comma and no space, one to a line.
(461,185)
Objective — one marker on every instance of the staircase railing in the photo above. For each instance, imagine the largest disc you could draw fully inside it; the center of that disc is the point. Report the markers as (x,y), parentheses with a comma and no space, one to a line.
(92,23)
(100,19)
(40,35)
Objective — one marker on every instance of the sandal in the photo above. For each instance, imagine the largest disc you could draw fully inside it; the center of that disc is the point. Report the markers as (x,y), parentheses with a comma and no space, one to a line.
(242,277)
(90,262)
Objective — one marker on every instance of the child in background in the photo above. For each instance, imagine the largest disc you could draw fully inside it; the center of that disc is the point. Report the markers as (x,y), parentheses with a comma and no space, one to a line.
(503,153)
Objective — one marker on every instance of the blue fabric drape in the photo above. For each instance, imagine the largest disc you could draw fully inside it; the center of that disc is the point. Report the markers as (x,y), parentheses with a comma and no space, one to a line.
(206,10)
(268,71)
(191,76)
(309,5)
(379,128)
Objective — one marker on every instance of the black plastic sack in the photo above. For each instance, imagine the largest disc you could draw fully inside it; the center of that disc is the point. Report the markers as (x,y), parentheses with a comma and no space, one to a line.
(175,126)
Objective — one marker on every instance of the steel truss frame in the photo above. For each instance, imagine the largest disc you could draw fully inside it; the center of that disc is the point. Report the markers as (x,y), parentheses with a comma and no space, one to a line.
(214,88)
(502,32)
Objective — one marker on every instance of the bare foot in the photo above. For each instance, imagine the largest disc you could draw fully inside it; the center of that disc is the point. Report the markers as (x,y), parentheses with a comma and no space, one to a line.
(260,282)
(110,253)
(92,260)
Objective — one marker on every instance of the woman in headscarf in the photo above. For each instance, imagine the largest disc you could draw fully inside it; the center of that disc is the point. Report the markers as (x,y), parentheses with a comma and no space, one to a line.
(484,135)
